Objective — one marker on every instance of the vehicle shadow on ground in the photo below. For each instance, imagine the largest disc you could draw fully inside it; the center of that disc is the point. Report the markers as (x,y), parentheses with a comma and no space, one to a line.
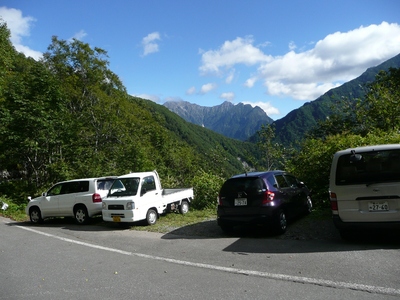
(68,223)
(302,236)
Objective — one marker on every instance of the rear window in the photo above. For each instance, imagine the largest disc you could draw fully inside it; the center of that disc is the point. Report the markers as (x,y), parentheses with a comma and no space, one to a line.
(249,185)
(370,167)
(104,184)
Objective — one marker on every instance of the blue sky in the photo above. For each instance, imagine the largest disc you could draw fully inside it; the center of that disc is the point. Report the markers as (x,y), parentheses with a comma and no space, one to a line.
(274,54)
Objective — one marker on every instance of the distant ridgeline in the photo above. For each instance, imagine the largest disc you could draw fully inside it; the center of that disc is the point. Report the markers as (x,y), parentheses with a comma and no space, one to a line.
(239,121)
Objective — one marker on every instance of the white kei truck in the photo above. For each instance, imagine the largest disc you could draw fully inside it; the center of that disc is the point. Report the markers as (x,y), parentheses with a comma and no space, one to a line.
(139,196)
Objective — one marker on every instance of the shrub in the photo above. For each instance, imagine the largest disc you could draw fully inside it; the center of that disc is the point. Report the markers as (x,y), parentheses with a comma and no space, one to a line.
(206,188)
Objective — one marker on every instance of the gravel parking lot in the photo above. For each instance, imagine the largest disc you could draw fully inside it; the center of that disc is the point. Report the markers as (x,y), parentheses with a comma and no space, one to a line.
(307,228)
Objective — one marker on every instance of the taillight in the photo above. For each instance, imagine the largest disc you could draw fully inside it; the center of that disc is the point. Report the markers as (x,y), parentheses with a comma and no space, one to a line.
(96,198)
(268,197)
(334,204)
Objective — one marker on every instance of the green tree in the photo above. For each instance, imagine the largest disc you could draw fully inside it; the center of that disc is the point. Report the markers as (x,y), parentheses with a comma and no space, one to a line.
(381,107)
(273,153)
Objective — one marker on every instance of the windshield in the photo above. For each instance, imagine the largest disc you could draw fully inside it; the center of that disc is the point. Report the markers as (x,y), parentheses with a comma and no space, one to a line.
(124,187)
(370,167)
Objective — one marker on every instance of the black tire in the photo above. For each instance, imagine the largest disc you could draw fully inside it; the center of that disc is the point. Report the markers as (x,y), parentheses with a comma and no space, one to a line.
(35,215)
(184,207)
(81,215)
(309,205)
(281,222)
(151,217)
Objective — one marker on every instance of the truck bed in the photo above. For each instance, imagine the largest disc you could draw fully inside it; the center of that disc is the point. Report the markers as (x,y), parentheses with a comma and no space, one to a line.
(166,192)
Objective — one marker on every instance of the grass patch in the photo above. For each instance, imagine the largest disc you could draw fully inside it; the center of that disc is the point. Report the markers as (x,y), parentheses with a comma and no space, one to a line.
(171,221)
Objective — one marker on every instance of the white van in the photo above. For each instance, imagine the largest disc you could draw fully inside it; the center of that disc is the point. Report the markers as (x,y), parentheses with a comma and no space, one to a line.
(364,188)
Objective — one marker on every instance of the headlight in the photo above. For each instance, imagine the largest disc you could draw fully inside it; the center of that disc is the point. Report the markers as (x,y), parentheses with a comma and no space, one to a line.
(130,205)
(103,205)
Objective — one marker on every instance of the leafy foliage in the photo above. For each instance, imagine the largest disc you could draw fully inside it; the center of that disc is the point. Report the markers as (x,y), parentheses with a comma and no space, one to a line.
(372,122)
(68,116)
(206,187)
(295,126)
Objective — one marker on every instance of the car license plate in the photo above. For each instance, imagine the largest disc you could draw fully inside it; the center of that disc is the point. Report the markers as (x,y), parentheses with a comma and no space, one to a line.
(378,206)
(116,218)
(240,201)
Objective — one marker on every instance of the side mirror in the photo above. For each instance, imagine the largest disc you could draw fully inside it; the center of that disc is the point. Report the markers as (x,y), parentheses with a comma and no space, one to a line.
(29,198)
(355,157)
(144,191)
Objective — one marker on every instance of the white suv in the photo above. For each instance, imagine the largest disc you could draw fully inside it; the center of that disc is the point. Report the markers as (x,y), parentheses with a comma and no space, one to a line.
(79,198)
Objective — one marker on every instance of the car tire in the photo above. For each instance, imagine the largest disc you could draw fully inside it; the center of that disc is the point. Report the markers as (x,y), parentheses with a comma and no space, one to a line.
(35,215)
(81,215)
(309,205)
(151,217)
(281,222)
(184,207)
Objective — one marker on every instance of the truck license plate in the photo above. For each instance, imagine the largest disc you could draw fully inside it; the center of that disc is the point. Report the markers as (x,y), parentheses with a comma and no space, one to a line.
(240,201)
(116,219)
(378,206)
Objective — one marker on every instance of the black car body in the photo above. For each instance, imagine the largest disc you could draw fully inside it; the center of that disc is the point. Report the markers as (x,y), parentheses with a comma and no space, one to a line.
(267,198)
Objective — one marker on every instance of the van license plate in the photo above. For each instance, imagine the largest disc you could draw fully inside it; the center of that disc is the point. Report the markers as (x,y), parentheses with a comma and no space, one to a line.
(116,218)
(240,201)
(378,206)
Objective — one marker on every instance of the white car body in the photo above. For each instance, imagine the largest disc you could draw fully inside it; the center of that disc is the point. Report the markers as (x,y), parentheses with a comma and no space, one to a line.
(365,187)
(78,198)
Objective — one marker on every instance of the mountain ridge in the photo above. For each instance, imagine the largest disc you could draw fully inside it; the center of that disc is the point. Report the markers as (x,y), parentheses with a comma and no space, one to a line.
(239,121)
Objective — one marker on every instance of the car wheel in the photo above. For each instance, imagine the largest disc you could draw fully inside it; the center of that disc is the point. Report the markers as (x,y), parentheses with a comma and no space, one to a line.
(35,215)
(81,215)
(184,207)
(309,205)
(151,217)
(281,222)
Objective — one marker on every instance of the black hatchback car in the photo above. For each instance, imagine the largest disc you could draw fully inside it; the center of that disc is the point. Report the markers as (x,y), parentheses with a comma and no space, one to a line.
(267,198)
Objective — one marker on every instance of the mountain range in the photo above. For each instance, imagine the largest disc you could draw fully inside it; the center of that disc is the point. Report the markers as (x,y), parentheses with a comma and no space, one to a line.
(243,121)
(239,121)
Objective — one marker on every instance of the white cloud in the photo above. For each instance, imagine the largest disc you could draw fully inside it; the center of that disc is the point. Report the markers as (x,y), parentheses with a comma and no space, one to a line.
(191,91)
(227,96)
(80,35)
(208,87)
(153,98)
(238,51)
(250,82)
(149,43)
(338,58)
(19,27)
(266,106)
(292,46)
(306,75)
(230,77)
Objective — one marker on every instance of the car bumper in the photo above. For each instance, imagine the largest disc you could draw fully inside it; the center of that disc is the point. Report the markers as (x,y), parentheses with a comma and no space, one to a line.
(340,225)
(118,216)
(251,216)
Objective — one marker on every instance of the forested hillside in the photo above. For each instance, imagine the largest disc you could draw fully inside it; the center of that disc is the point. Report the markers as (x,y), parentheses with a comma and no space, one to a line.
(69,116)
(291,129)
(239,121)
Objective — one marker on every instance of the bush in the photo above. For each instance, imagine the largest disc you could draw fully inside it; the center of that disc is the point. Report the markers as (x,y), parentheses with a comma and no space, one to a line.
(14,211)
(206,188)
